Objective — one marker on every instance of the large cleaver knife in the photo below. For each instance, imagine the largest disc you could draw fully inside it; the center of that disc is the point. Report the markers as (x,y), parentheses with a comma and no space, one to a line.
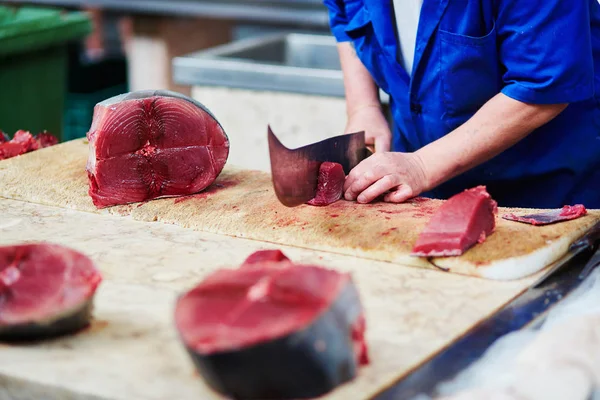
(295,171)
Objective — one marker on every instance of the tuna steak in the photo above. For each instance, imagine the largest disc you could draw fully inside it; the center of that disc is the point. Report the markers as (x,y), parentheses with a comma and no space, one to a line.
(462,221)
(273,329)
(150,144)
(329,185)
(45,290)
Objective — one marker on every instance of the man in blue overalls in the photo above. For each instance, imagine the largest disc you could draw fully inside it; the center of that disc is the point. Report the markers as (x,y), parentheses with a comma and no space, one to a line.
(483,92)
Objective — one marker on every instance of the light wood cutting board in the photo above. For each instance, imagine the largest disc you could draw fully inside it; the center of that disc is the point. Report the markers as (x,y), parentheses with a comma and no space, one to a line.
(242,203)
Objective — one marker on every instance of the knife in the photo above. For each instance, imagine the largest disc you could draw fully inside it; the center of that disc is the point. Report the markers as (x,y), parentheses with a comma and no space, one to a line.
(295,171)
(562,278)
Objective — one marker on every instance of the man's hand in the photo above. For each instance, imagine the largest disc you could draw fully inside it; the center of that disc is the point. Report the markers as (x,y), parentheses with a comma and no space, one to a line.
(403,174)
(370,118)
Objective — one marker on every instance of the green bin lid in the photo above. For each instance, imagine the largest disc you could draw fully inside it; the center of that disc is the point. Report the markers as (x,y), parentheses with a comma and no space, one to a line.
(25,29)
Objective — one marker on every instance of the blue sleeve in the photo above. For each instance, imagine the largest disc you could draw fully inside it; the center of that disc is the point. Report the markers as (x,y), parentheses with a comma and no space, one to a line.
(340,13)
(545,47)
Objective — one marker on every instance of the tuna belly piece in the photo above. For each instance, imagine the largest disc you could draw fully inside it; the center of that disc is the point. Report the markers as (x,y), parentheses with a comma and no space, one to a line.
(150,144)
(274,329)
(330,184)
(462,221)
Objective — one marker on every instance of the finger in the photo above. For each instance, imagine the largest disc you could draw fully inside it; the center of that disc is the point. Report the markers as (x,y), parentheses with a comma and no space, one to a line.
(359,184)
(358,172)
(362,179)
(400,195)
(378,188)
(382,144)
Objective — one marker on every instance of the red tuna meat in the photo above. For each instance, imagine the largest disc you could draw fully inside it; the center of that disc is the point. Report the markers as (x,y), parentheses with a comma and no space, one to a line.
(462,221)
(263,256)
(150,144)
(45,290)
(296,331)
(330,184)
(23,142)
(45,139)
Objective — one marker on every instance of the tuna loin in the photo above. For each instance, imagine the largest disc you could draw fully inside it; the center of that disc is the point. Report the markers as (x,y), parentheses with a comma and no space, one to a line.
(274,329)
(462,221)
(330,184)
(46,290)
(150,144)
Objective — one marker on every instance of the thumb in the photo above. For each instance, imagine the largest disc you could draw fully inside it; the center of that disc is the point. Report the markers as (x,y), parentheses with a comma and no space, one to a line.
(400,195)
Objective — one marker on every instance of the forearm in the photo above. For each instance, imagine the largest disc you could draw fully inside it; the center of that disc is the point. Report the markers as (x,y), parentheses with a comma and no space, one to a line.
(498,125)
(360,88)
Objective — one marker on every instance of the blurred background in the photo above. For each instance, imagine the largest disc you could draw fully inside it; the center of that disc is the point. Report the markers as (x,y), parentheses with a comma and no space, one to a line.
(252,62)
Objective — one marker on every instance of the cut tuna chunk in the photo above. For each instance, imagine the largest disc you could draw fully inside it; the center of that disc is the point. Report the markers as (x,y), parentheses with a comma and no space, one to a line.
(330,184)
(566,213)
(295,331)
(3,137)
(24,142)
(150,144)
(462,221)
(46,290)
(45,139)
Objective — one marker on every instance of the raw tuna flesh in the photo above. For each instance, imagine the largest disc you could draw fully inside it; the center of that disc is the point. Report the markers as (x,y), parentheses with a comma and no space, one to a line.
(45,290)
(330,184)
(262,256)
(46,139)
(274,329)
(3,137)
(24,142)
(566,213)
(150,144)
(462,221)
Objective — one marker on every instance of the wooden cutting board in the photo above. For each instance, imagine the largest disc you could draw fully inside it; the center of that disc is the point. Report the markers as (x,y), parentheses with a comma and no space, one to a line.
(242,203)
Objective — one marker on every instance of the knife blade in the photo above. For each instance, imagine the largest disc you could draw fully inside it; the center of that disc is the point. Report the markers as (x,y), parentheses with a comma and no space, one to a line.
(295,171)
(562,278)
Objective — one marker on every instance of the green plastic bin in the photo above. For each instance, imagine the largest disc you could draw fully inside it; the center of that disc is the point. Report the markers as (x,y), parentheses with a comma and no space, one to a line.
(33,66)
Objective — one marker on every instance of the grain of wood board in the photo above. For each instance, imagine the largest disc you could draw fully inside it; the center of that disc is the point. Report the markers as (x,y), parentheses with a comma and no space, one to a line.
(242,203)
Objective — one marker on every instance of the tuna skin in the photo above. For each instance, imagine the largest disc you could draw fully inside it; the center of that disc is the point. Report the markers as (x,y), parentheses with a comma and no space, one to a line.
(145,148)
(330,184)
(460,223)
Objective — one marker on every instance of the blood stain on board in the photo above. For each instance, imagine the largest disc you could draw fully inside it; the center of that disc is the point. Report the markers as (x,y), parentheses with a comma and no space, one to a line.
(387,232)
